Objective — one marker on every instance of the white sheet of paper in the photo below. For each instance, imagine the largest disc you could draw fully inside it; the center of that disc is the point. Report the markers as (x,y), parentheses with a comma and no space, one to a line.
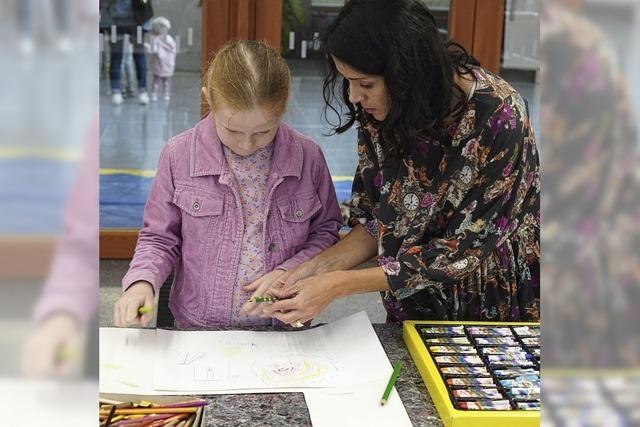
(126,360)
(27,402)
(341,353)
(356,406)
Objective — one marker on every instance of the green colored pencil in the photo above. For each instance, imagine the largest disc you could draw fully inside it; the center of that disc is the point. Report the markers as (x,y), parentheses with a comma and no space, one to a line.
(64,354)
(145,310)
(392,381)
(265,298)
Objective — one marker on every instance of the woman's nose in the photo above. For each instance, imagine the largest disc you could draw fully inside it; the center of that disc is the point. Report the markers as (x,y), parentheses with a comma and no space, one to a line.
(355,96)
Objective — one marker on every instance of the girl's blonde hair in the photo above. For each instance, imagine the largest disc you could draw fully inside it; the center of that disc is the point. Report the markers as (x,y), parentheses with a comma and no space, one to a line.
(246,75)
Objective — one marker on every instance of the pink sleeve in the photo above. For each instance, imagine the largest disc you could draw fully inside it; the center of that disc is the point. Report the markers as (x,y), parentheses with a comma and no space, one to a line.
(160,239)
(72,283)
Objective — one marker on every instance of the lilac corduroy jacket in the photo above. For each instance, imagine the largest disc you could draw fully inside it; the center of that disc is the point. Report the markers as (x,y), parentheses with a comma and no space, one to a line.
(193,220)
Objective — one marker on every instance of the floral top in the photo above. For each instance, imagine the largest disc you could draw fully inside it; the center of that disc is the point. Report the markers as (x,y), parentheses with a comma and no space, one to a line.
(591,209)
(458,221)
(251,174)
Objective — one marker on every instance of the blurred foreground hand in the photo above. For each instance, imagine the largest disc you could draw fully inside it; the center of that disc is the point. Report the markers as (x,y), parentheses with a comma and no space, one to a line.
(53,348)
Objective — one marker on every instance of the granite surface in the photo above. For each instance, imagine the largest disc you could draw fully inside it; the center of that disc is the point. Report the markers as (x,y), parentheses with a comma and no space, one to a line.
(290,409)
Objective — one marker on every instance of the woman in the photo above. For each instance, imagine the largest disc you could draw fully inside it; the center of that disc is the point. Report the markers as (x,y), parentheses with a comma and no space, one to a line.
(446,192)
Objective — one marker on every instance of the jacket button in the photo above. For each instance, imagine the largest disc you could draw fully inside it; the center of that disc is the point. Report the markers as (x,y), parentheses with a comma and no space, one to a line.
(272,247)
(196,206)
(299,213)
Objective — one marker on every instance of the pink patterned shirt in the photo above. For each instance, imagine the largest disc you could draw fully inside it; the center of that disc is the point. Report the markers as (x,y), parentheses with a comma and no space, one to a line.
(251,174)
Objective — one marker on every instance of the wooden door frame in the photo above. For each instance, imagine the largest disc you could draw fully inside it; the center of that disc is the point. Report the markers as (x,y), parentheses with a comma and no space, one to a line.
(478,25)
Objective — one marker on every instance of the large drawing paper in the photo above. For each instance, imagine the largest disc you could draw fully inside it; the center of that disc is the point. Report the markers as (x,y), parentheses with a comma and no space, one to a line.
(342,353)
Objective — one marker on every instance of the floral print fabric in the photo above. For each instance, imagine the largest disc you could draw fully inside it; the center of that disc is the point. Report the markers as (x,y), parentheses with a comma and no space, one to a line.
(458,221)
(251,173)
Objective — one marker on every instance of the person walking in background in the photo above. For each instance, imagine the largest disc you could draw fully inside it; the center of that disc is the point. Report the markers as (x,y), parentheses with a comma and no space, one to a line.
(61,20)
(128,85)
(162,59)
(127,16)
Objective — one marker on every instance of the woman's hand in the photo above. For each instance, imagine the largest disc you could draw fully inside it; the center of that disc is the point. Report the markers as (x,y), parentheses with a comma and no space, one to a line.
(261,287)
(125,311)
(305,298)
(53,348)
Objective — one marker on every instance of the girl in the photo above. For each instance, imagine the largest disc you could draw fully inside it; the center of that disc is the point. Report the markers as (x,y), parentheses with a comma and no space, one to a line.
(237,200)
(162,57)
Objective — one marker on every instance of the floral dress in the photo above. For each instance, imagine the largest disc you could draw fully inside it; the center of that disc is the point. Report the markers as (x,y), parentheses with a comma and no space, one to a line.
(457,221)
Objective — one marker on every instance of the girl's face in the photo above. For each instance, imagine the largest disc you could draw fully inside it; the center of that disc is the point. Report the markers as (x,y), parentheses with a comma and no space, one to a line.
(365,89)
(245,132)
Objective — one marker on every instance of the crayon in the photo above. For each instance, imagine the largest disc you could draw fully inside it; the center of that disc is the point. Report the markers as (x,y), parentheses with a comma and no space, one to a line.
(452,349)
(506,341)
(492,331)
(528,406)
(485,405)
(466,382)
(477,393)
(448,340)
(459,360)
(465,370)
(443,330)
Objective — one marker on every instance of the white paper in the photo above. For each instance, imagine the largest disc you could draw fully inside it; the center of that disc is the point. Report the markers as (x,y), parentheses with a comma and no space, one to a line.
(126,360)
(26,402)
(342,353)
(356,406)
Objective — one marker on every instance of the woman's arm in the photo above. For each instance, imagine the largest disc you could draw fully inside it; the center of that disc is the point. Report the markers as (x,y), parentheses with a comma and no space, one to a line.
(326,277)
(357,247)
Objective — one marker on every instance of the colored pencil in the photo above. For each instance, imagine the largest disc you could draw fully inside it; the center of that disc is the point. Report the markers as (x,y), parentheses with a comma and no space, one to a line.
(264,298)
(392,381)
(145,310)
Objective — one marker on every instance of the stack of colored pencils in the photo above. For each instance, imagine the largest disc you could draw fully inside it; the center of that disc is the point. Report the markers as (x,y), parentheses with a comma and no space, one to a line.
(115,413)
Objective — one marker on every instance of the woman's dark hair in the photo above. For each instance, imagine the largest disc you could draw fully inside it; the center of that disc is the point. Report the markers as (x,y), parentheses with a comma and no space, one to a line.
(399,40)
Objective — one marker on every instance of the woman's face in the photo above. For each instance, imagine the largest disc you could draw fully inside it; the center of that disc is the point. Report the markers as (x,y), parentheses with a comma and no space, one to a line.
(245,132)
(365,89)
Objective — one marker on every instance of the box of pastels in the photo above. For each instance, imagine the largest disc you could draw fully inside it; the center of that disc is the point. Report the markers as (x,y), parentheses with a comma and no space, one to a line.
(479,374)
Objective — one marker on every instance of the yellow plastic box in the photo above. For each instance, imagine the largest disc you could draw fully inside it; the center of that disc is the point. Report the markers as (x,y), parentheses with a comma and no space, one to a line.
(452,417)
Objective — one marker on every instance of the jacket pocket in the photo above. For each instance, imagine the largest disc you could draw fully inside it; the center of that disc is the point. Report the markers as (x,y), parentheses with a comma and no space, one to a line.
(296,212)
(201,211)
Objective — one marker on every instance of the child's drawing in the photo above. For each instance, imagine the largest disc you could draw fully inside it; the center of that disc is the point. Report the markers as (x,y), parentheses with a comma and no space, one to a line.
(201,366)
(294,370)
(187,358)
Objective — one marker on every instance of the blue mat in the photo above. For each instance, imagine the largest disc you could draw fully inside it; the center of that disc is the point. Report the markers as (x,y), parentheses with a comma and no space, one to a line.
(33,194)
(123,196)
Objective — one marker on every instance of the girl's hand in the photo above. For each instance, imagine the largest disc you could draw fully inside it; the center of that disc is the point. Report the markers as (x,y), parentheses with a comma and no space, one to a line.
(311,296)
(53,348)
(261,286)
(125,311)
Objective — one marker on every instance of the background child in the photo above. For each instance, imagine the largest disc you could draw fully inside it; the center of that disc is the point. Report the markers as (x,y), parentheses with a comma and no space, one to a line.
(236,201)
(162,57)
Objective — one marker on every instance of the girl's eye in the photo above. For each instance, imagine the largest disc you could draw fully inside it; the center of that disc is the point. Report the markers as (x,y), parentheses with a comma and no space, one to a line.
(264,132)
(366,85)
